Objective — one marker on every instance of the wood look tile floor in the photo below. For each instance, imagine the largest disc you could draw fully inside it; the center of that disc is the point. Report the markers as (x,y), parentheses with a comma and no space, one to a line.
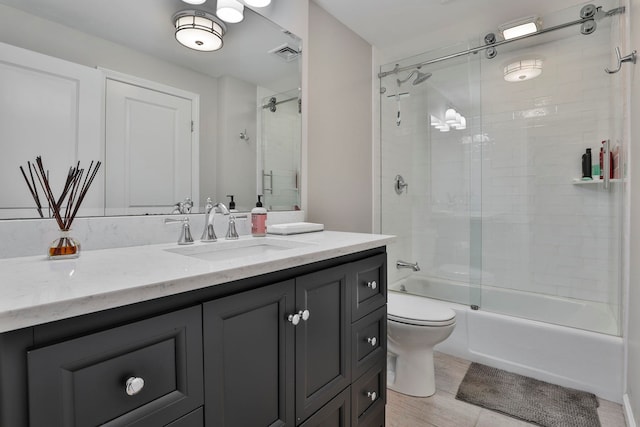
(443,410)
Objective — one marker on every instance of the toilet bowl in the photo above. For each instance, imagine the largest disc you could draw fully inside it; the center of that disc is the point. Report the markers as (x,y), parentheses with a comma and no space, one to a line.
(414,326)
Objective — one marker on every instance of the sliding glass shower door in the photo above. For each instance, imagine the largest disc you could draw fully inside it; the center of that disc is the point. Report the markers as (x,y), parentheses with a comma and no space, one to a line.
(495,208)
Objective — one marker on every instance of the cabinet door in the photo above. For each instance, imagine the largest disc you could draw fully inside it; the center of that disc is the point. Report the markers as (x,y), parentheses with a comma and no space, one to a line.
(323,341)
(248,347)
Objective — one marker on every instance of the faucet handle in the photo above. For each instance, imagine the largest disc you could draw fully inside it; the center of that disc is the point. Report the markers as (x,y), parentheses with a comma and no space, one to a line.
(232,233)
(185,233)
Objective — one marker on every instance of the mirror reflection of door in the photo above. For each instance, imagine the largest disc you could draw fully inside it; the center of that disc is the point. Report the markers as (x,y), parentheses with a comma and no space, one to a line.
(281,140)
(149,150)
(49,108)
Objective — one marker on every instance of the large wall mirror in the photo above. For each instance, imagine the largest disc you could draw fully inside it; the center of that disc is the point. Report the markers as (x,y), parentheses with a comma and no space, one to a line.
(244,102)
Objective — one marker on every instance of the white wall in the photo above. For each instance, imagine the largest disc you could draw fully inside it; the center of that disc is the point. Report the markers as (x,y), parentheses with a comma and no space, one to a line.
(632,398)
(340,181)
(236,113)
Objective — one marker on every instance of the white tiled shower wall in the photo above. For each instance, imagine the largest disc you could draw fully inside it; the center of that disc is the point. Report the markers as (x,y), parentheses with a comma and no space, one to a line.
(512,171)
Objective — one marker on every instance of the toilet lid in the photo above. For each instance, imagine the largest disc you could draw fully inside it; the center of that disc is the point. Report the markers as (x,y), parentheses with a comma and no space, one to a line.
(412,309)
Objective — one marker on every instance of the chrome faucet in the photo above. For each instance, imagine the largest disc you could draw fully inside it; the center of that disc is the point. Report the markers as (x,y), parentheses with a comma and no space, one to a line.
(183,207)
(209,233)
(404,264)
(185,230)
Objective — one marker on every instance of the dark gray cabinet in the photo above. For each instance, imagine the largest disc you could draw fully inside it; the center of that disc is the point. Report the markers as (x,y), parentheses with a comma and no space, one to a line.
(249,358)
(301,347)
(323,342)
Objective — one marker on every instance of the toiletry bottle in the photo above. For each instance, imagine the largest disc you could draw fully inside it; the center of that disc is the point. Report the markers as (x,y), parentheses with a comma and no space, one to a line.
(232,204)
(586,165)
(602,161)
(258,220)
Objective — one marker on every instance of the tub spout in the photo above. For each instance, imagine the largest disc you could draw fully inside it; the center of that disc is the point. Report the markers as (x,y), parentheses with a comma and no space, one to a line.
(404,264)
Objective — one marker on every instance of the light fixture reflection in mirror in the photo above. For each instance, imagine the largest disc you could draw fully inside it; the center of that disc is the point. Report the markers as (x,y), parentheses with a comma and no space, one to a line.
(198,30)
(231,11)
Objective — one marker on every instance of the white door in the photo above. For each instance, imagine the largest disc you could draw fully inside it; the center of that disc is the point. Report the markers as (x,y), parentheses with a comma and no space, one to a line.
(49,108)
(148,150)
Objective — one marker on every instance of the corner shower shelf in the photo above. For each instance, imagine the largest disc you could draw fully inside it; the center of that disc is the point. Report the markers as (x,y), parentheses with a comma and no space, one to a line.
(579,181)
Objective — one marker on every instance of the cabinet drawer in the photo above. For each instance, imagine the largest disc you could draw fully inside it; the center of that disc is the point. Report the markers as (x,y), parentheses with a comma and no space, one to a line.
(193,419)
(374,417)
(336,413)
(368,341)
(368,393)
(83,381)
(369,291)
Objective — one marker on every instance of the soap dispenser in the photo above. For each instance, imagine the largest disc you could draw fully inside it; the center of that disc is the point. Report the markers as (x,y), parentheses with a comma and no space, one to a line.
(259,220)
(232,204)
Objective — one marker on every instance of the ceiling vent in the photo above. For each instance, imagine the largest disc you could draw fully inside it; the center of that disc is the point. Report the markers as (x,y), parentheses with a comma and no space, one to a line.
(286,52)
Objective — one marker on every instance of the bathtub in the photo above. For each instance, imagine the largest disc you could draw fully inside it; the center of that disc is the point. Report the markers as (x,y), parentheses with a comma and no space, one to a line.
(562,355)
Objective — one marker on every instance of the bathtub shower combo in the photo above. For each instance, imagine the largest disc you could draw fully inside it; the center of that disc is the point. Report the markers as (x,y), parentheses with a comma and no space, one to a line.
(500,213)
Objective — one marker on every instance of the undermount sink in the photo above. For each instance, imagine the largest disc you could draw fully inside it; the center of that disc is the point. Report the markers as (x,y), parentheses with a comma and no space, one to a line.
(231,249)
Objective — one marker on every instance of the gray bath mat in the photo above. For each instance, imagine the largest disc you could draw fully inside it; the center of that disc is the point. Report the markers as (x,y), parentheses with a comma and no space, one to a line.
(528,399)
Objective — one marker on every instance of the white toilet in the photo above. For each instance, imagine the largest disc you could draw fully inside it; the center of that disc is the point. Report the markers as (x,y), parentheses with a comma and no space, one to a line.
(414,326)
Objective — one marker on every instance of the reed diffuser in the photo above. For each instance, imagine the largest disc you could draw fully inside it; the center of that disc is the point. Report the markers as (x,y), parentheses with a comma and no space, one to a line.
(64,208)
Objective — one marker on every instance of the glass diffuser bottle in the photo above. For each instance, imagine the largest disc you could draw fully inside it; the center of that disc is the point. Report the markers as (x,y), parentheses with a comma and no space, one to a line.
(64,246)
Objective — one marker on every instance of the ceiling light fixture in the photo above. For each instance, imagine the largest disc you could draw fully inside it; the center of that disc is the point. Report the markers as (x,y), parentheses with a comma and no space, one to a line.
(525,69)
(194,1)
(520,27)
(257,3)
(231,11)
(198,30)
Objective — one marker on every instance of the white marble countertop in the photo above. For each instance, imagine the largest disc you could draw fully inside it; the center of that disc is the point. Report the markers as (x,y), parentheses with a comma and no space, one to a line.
(36,290)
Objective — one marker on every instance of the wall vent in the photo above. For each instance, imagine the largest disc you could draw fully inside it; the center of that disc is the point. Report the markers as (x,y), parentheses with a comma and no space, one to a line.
(286,52)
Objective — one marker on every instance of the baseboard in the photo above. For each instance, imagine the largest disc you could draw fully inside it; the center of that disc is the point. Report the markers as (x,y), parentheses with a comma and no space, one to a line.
(628,412)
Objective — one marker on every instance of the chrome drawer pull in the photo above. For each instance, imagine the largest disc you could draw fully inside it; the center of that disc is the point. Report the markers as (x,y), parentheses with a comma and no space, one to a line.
(373,341)
(372,284)
(134,385)
(372,395)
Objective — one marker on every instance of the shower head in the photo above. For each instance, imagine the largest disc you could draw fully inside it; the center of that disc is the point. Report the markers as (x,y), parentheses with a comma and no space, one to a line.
(421,77)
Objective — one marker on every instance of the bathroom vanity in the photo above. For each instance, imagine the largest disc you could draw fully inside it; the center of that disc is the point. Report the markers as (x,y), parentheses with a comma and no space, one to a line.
(279,331)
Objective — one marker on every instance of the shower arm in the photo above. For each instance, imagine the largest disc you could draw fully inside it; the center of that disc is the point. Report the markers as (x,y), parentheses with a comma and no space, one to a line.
(397,69)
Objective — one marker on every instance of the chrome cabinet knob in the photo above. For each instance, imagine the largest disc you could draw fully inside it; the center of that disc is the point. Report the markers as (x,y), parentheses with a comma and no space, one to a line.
(373,284)
(294,318)
(372,395)
(134,385)
(373,341)
(297,317)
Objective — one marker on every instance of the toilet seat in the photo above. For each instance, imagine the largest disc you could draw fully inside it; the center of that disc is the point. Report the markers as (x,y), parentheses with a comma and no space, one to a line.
(419,311)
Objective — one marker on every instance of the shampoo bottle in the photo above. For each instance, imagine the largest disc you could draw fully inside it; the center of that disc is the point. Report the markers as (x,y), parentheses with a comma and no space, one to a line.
(258,220)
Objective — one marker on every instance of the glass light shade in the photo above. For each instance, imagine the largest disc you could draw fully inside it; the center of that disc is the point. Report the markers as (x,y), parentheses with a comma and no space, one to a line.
(197,30)
(445,128)
(194,1)
(450,116)
(435,121)
(257,3)
(526,69)
(231,11)
(463,124)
